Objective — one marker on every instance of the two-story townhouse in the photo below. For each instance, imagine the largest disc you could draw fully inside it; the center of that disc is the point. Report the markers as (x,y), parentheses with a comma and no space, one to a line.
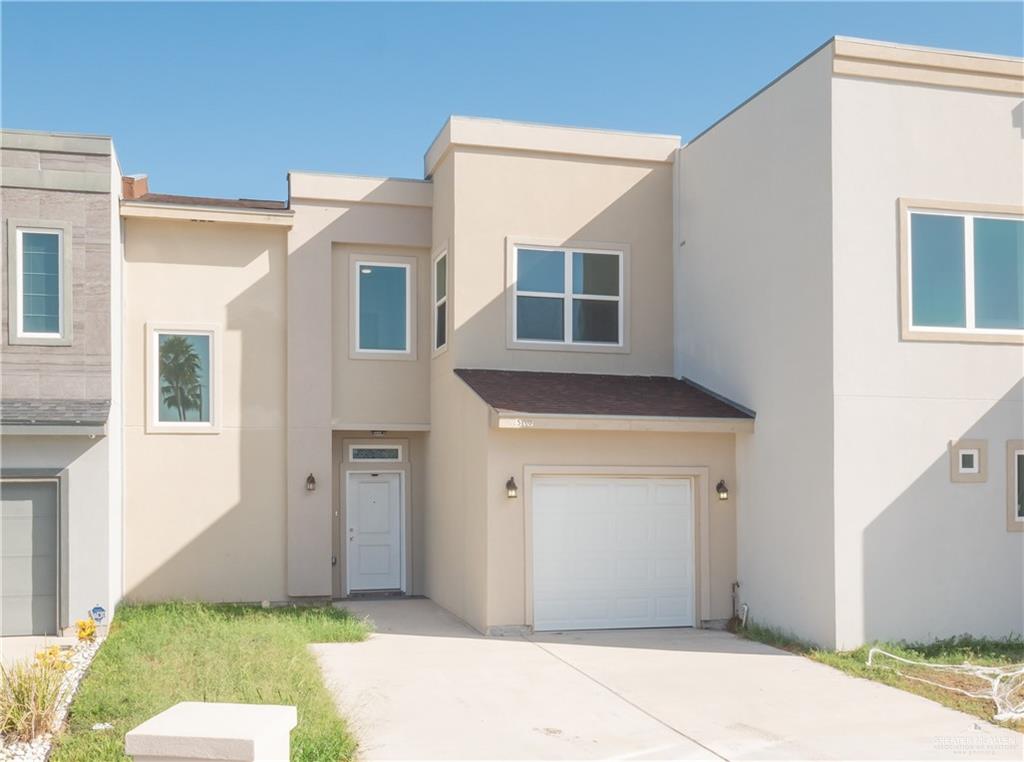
(60,362)
(460,387)
(851,265)
(493,386)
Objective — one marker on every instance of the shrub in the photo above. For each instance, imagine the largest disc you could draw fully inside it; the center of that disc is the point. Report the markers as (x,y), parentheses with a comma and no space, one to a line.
(29,693)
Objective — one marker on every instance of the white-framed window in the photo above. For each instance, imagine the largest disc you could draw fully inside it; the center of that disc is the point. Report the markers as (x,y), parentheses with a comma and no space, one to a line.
(1018,485)
(182,381)
(375,453)
(440,296)
(567,295)
(968,460)
(39,280)
(965,272)
(382,307)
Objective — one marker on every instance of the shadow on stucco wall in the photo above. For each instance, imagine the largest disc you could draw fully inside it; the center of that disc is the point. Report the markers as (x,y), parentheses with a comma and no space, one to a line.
(938,560)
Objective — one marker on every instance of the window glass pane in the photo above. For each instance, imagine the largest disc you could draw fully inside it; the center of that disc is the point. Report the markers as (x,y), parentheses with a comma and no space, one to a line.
(1020,485)
(937,248)
(40,272)
(440,325)
(998,273)
(540,317)
(382,307)
(374,453)
(440,278)
(184,377)
(595,321)
(540,271)
(596,274)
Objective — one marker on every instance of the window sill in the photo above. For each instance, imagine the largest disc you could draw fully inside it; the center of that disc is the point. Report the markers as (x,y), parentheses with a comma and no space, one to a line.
(545,346)
(961,337)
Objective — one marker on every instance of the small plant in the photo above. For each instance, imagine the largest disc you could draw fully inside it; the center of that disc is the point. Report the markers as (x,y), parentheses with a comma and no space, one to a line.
(86,629)
(29,694)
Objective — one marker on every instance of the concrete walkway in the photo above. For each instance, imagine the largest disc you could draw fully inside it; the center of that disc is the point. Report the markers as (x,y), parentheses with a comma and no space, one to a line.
(426,686)
(23,648)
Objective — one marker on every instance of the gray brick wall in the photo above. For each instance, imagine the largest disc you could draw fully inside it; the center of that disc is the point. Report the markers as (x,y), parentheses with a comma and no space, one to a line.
(80,371)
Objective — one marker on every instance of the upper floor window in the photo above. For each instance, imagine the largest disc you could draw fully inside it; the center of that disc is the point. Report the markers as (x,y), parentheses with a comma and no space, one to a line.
(382,307)
(567,296)
(441,301)
(965,273)
(40,291)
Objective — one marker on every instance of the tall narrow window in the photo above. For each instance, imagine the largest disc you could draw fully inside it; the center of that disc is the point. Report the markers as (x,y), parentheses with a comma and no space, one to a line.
(1018,458)
(382,307)
(568,296)
(966,272)
(182,388)
(441,301)
(40,283)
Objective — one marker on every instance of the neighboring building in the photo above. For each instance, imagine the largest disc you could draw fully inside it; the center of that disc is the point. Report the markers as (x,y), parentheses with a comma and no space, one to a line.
(60,403)
(502,386)
(830,279)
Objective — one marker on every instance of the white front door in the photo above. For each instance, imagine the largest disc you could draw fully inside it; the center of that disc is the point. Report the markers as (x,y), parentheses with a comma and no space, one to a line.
(612,552)
(374,532)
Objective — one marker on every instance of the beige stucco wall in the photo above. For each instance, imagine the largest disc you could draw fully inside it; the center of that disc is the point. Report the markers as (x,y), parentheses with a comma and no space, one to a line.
(916,555)
(510,452)
(205,513)
(387,393)
(754,323)
(559,199)
(326,390)
(455,527)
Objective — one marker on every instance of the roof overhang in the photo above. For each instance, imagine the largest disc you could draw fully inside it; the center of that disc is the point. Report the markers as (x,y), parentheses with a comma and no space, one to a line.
(197,213)
(54,429)
(498,134)
(510,419)
(357,189)
(928,66)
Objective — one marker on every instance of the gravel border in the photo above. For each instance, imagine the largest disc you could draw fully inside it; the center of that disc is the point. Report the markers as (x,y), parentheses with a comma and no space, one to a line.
(38,749)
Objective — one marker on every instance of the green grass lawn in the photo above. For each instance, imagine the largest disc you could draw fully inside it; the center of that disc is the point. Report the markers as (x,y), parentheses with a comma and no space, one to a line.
(977,651)
(157,655)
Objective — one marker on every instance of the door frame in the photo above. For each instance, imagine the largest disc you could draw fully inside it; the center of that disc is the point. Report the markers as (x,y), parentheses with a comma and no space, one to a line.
(403,507)
(59,478)
(698,478)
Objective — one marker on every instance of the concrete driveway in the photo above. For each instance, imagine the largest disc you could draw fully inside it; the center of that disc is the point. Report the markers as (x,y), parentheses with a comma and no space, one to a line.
(426,686)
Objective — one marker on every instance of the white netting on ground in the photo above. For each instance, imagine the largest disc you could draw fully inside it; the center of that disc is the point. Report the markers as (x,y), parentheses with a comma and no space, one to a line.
(1004,686)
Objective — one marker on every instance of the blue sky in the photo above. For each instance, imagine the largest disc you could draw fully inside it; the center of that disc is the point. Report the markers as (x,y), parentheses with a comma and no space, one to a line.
(224,98)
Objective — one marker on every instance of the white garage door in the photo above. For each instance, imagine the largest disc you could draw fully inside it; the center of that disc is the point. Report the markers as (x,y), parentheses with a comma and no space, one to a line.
(612,553)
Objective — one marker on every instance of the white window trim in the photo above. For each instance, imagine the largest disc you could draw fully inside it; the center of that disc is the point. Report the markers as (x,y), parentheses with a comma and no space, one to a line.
(969,213)
(514,243)
(976,459)
(382,445)
(16,284)
(1014,469)
(153,423)
(409,264)
(439,348)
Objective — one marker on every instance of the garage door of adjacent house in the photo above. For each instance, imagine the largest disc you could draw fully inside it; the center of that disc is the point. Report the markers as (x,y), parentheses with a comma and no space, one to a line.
(612,552)
(29,553)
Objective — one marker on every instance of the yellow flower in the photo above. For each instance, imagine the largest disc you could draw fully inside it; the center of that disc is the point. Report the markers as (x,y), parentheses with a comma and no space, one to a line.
(86,629)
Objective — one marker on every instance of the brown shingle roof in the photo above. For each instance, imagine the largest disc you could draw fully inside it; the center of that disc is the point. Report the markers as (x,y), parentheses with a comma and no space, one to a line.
(597,394)
(231,203)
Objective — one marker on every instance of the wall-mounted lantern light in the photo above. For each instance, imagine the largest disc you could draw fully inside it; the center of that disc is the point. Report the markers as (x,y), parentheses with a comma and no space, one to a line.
(310,483)
(510,487)
(722,490)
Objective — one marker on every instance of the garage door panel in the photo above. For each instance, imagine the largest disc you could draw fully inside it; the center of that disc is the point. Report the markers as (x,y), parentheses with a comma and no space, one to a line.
(29,550)
(612,553)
